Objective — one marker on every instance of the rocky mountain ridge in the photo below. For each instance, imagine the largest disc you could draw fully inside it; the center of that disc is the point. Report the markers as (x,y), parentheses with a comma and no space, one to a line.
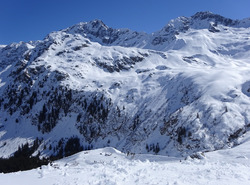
(97,31)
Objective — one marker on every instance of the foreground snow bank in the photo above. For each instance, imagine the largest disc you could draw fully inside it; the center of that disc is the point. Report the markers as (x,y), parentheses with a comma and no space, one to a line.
(110,166)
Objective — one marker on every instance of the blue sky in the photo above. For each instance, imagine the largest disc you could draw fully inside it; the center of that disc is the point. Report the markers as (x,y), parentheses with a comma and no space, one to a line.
(24,20)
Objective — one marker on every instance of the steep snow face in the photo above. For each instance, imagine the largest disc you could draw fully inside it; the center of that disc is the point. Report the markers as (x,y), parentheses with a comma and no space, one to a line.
(188,92)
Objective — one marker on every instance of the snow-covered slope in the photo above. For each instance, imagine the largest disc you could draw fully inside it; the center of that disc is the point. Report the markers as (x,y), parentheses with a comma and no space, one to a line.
(109,166)
(175,92)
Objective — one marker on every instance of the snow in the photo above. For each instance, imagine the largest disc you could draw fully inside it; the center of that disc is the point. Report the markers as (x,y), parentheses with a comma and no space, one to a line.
(210,71)
(110,166)
(195,80)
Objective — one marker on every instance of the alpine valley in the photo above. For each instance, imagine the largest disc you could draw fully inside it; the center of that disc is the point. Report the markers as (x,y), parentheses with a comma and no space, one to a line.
(176,92)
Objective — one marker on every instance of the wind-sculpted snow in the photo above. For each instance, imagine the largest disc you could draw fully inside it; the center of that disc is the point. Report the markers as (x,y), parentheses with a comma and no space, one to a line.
(178,91)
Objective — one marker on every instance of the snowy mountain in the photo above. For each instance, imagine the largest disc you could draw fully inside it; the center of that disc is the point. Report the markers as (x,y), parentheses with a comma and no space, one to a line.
(175,92)
(162,40)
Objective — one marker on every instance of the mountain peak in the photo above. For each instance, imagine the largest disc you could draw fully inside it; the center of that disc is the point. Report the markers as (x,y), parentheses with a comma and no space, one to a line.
(213,17)
(97,24)
(92,27)
(200,20)
(204,15)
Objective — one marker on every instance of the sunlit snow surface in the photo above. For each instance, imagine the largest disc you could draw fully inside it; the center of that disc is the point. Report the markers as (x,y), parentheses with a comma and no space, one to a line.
(109,166)
(198,80)
(205,83)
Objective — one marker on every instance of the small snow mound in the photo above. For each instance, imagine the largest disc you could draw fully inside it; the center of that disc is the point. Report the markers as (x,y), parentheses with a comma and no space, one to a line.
(180,43)
(142,71)
(162,67)
(246,88)
(110,150)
